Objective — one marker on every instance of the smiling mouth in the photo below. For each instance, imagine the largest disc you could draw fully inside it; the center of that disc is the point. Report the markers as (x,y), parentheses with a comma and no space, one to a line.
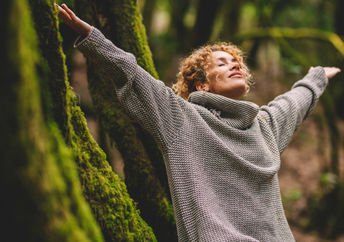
(235,75)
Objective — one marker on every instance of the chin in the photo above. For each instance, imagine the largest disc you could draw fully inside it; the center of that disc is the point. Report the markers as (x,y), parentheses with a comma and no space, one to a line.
(237,92)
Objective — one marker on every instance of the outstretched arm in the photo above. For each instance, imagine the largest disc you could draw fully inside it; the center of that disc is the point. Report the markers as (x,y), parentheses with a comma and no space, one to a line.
(287,111)
(155,106)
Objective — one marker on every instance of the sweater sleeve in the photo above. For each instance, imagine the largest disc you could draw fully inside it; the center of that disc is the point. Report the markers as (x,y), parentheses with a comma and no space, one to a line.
(147,100)
(286,112)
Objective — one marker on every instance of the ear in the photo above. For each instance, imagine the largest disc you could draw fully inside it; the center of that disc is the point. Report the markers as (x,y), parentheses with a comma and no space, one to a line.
(202,86)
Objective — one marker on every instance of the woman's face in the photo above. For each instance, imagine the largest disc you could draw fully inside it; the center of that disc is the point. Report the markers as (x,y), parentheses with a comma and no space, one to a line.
(225,76)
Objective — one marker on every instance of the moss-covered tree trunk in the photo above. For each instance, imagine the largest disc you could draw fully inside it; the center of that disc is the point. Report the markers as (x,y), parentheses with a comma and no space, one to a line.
(41,199)
(145,174)
(104,191)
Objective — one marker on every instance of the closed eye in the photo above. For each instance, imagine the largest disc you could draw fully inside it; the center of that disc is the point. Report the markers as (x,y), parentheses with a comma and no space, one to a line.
(221,64)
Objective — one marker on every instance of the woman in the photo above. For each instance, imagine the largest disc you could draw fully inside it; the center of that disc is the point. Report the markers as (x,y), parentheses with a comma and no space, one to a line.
(222,155)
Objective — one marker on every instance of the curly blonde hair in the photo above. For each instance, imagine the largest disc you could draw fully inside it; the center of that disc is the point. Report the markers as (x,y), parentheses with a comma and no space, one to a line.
(193,68)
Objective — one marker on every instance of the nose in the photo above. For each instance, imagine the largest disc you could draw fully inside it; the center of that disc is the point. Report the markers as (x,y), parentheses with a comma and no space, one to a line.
(235,66)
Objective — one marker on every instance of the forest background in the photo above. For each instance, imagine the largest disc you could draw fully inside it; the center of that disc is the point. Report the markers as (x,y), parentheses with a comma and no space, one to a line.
(58,184)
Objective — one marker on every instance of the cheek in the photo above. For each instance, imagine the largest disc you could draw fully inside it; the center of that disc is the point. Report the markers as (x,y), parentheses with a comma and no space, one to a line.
(218,77)
(212,76)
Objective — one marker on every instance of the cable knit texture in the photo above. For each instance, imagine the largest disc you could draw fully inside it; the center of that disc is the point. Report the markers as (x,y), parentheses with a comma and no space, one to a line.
(222,155)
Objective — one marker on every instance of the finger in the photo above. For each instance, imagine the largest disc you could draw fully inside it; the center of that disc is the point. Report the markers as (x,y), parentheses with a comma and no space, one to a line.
(70,12)
(335,70)
(61,12)
(64,15)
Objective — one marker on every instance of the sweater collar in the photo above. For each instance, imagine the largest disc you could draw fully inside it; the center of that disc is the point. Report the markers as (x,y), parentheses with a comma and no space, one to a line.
(239,114)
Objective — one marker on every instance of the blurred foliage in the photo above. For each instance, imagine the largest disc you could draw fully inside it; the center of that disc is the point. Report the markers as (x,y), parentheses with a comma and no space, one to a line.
(325,210)
(177,21)
(293,195)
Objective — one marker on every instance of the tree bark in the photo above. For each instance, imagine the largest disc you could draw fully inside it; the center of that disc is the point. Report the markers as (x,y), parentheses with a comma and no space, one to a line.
(339,18)
(41,196)
(122,23)
(231,19)
(205,19)
(147,14)
(178,11)
(105,192)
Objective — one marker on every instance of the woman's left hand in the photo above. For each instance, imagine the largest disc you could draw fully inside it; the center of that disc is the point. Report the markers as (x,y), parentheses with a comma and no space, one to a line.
(330,71)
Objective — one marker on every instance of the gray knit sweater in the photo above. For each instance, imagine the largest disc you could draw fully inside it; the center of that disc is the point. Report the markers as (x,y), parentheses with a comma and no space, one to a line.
(222,155)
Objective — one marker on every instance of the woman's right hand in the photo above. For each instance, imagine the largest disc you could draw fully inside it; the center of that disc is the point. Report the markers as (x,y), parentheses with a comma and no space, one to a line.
(78,25)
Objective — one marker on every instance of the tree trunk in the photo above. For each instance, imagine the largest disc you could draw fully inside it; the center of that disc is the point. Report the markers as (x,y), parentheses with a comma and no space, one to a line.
(231,19)
(147,14)
(41,196)
(121,22)
(206,13)
(102,188)
(339,18)
(178,11)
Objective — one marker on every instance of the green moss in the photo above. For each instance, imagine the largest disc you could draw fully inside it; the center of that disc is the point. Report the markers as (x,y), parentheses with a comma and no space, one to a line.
(41,197)
(105,192)
(141,181)
(124,27)
(47,30)
(125,18)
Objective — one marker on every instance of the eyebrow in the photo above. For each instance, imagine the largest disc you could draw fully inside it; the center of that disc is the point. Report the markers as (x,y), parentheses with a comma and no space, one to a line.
(221,59)
(225,59)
